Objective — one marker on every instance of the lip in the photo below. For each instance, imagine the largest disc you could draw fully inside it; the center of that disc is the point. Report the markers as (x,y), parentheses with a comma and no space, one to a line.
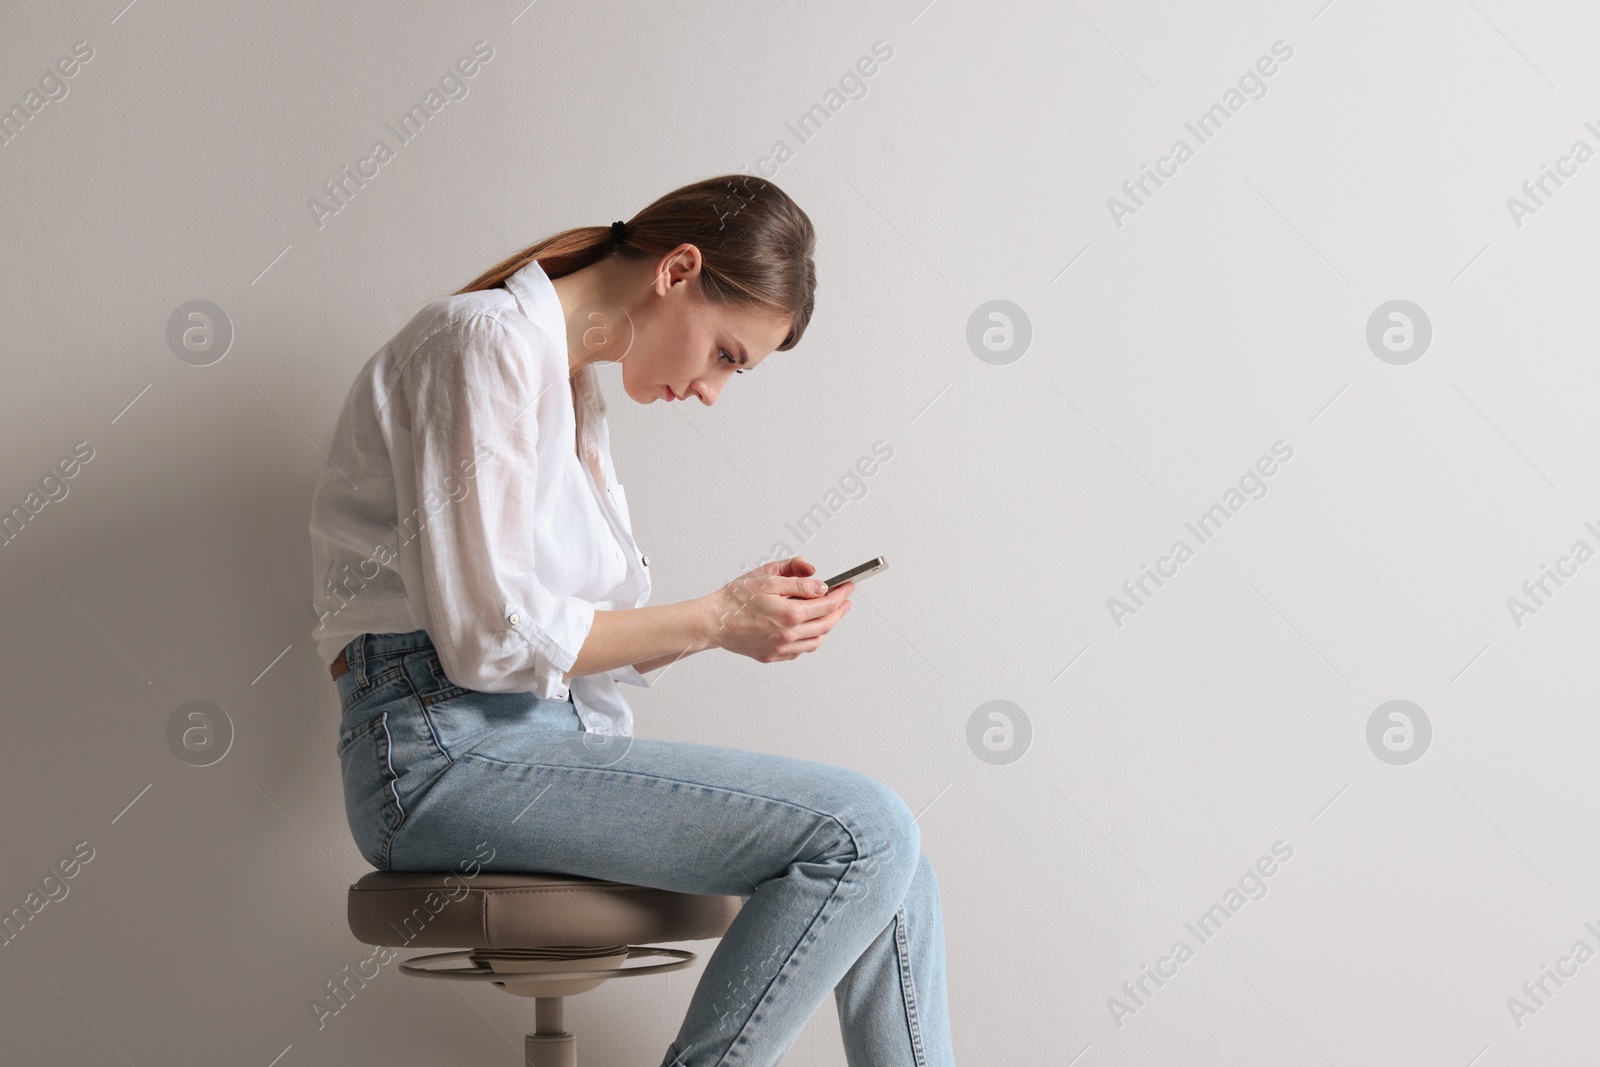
(667,393)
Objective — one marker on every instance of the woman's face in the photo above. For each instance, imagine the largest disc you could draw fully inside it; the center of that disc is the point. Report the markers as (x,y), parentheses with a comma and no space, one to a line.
(684,345)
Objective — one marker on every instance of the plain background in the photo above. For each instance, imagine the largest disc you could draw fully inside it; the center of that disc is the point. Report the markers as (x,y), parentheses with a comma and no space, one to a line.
(1166,754)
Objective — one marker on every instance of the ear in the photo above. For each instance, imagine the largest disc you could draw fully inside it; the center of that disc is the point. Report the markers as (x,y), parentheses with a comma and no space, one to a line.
(680,265)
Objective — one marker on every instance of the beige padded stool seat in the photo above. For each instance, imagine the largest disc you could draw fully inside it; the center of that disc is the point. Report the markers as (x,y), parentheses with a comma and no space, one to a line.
(546,936)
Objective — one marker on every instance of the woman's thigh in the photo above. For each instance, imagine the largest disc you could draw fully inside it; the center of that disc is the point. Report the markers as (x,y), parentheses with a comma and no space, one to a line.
(545,795)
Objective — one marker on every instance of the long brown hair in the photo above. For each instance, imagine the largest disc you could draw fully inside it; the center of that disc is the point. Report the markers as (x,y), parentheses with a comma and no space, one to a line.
(755,246)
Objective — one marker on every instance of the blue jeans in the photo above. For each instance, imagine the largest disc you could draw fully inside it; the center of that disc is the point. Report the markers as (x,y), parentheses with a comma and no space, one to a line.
(837,893)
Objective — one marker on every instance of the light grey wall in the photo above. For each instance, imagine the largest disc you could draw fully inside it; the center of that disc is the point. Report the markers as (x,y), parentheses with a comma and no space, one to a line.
(1167,750)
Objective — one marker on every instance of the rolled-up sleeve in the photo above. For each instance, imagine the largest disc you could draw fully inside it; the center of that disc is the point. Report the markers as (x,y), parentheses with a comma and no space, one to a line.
(473,389)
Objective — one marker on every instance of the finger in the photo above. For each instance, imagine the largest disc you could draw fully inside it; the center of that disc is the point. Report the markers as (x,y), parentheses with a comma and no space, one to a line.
(798,586)
(817,607)
(818,628)
(841,591)
(824,624)
(796,566)
(798,648)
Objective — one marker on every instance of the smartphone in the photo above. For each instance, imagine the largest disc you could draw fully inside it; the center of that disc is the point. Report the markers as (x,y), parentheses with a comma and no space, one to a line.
(857,573)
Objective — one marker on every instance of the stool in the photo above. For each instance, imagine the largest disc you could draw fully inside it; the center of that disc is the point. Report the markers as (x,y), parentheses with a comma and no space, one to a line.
(546,936)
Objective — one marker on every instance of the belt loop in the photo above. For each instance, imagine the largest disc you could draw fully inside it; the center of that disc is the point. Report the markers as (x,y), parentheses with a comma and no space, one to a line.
(358,662)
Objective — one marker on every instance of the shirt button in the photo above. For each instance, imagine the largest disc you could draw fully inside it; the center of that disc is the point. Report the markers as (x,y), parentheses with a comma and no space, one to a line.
(645,560)
(513,618)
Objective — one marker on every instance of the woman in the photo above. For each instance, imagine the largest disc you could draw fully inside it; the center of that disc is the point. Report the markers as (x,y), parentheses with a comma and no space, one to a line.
(480,595)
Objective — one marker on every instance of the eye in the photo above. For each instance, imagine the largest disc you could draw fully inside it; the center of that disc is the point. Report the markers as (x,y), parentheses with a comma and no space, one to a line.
(725,352)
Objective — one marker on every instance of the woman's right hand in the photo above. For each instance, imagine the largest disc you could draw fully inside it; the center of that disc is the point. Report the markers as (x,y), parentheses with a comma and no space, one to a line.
(776,611)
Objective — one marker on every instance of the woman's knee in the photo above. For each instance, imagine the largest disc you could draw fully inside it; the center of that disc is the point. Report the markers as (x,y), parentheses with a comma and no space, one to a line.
(888,840)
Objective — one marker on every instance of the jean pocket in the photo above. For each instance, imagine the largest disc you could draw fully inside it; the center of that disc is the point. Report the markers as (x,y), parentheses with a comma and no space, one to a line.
(371,801)
(352,735)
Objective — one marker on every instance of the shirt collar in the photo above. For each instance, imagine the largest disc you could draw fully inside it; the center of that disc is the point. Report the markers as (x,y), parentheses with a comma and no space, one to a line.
(536,297)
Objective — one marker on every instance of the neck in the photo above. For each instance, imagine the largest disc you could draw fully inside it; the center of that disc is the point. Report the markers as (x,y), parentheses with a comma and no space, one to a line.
(596,289)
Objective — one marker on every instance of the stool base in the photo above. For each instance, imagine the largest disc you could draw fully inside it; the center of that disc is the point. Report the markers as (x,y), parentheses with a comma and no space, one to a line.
(548,975)
(550,1050)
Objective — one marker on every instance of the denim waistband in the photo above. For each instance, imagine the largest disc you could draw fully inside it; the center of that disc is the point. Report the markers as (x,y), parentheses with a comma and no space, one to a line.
(372,646)
(368,647)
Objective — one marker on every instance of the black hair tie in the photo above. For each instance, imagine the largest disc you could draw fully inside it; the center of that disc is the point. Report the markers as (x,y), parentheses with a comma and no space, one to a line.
(619,231)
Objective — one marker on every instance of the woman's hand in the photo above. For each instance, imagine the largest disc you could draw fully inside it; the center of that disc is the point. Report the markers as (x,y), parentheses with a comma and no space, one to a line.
(776,611)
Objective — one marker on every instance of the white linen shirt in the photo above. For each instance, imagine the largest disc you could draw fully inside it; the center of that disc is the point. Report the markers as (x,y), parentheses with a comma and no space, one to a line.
(453,501)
